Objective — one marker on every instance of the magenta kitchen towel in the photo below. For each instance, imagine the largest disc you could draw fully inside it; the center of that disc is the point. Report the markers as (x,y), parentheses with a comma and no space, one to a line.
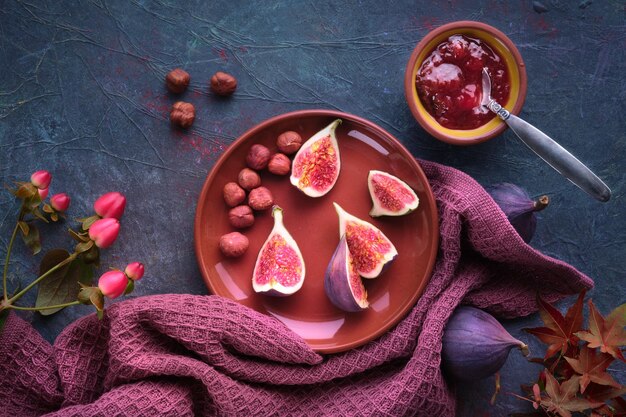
(184,355)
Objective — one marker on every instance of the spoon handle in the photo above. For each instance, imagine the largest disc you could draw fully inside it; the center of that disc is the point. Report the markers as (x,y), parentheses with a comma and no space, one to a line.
(559,158)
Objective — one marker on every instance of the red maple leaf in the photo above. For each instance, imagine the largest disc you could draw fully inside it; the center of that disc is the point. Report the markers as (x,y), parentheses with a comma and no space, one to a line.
(558,332)
(604,393)
(561,398)
(617,408)
(591,366)
(607,334)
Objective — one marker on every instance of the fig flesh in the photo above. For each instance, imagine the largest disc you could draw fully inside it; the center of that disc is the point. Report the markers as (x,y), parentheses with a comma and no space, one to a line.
(279,269)
(342,282)
(390,195)
(316,166)
(371,250)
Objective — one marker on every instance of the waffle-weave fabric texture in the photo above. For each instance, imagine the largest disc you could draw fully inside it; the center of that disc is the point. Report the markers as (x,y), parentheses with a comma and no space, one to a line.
(184,355)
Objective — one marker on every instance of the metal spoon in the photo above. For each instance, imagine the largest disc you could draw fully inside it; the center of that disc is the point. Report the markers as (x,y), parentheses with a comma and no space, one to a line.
(554,154)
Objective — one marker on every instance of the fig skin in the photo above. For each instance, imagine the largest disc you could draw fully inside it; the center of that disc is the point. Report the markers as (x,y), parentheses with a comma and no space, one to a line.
(518,207)
(475,345)
(337,281)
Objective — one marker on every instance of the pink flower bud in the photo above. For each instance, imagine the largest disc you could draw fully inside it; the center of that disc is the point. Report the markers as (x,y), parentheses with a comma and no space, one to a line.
(104,232)
(41,179)
(112,284)
(110,205)
(60,202)
(43,193)
(134,271)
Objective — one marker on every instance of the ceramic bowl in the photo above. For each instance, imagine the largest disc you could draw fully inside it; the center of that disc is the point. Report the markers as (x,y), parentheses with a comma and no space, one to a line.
(502,45)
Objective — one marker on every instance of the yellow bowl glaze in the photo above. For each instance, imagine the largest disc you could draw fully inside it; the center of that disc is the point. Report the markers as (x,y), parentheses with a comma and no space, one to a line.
(502,45)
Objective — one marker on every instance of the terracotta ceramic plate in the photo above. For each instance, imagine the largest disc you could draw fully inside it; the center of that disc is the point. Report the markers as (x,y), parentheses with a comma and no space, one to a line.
(314,225)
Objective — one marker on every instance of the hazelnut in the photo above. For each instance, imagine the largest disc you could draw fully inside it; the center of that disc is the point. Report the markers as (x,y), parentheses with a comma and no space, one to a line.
(258,157)
(260,199)
(223,84)
(289,142)
(234,194)
(233,244)
(182,114)
(248,179)
(177,80)
(241,217)
(279,164)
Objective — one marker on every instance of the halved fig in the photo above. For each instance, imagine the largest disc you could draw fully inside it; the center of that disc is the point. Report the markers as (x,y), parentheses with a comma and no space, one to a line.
(342,282)
(279,268)
(316,166)
(390,195)
(371,250)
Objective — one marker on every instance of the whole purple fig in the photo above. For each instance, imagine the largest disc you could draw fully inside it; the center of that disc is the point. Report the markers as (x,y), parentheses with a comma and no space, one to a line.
(519,207)
(475,345)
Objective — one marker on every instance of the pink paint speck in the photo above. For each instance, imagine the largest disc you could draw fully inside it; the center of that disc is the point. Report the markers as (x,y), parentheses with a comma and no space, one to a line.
(193,142)
(429,22)
(221,53)
(156,103)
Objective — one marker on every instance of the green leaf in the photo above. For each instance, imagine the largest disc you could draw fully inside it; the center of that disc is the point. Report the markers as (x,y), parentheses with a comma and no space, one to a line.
(37,213)
(84,293)
(24,226)
(33,201)
(84,246)
(79,237)
(129,287)
(62,285)
(32,239)
(88,221)
(3,318)
(91,256)
(47,209)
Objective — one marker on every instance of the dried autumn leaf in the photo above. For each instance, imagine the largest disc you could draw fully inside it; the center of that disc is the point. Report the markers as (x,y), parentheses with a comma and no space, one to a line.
(607,334)
(618,406)
(25,190)
(603,393)
(616,409)
(559,332)
(562,399)
(548,336)
(591,366)
(32,239)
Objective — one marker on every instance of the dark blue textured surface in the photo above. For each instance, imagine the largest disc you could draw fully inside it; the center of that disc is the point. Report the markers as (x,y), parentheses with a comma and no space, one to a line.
(81,94)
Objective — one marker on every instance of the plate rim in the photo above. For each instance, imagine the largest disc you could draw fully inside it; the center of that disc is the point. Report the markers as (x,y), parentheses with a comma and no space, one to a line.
(432,202)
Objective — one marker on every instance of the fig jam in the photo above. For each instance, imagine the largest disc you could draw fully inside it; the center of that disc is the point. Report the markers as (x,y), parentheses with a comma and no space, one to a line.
(449,82)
